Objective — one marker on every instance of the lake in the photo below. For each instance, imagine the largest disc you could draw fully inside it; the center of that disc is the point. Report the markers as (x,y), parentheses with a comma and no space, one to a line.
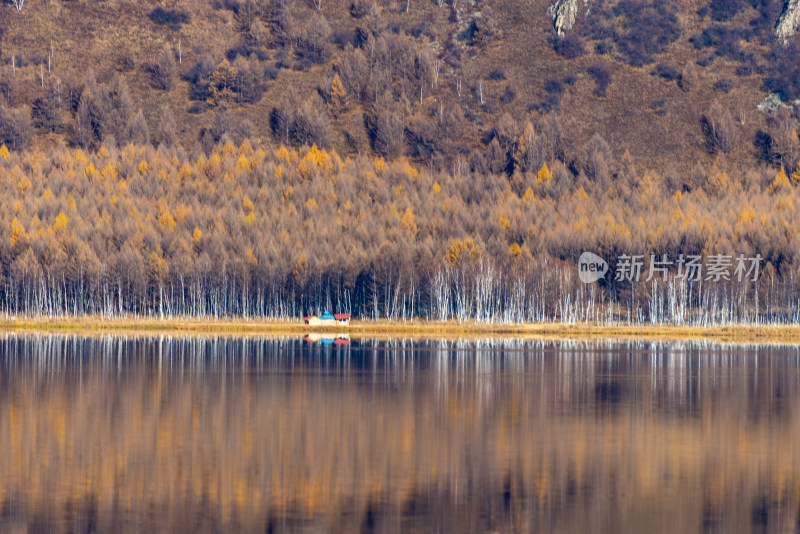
(219,434)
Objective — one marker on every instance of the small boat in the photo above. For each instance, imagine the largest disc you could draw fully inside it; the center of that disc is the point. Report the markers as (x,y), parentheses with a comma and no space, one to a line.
(328,319)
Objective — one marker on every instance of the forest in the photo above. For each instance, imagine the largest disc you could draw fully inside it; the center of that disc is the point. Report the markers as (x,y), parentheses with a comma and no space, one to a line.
(278,232)
(439,160)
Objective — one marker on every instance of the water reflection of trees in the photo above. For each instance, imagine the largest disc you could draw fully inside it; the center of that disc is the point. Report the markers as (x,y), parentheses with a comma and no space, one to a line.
(171,433)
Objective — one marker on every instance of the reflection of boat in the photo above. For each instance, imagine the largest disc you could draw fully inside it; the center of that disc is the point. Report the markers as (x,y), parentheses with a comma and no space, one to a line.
(328,339)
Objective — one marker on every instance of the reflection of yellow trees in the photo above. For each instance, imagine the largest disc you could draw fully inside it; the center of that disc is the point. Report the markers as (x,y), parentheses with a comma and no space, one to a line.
(184,439)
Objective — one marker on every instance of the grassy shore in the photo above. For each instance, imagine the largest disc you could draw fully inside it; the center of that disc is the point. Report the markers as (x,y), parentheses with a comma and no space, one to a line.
(416,328)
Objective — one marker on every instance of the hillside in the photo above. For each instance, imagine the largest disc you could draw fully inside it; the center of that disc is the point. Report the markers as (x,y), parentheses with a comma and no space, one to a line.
(434,82)
(399,160)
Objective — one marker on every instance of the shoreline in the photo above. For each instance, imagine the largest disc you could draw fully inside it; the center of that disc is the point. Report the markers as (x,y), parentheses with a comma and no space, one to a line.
(784,334)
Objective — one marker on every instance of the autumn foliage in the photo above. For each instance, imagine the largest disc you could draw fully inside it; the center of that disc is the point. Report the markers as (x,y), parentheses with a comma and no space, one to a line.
(270,231)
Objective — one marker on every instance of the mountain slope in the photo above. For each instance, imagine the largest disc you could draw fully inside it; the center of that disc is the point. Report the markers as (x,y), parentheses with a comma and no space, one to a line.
(618,73)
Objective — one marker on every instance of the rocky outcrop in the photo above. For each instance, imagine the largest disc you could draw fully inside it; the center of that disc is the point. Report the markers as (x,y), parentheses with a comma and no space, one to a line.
(564,13)
(790,18)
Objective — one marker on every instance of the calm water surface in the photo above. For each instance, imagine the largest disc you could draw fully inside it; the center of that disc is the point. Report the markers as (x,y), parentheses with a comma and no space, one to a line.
(159,434)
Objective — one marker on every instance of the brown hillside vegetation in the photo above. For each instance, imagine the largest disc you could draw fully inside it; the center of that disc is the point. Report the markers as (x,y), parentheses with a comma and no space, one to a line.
(393,159)
(431,80)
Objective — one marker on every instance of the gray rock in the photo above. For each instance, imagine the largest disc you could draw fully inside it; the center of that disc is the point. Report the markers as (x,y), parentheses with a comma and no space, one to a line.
(787,25)
(564,13)
(770,104)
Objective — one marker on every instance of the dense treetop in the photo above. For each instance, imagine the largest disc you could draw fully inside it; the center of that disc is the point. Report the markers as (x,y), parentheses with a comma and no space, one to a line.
(246,229)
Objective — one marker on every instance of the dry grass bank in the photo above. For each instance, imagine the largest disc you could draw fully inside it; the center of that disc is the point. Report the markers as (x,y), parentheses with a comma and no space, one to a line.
(789,334)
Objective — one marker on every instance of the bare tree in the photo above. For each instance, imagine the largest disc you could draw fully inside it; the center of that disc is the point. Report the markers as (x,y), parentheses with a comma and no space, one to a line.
(719,128)
(164,72)
(15,128)
(167,133)
(18,4)
(138,132)
(311,125)
(313,41)
(782,128)
(280,121)
(46,109)
(386,131)
(247,15)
